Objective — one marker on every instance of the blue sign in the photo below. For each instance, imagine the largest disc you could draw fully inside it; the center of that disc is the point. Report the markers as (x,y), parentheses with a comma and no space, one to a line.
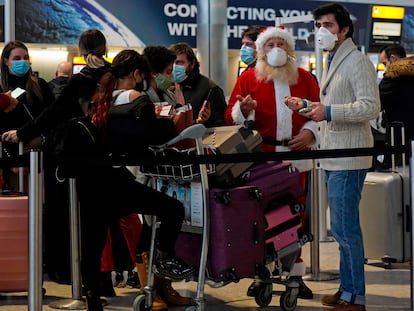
(137,23)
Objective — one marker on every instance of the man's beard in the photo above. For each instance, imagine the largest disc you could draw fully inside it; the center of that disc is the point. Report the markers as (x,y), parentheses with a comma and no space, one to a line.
(287,72)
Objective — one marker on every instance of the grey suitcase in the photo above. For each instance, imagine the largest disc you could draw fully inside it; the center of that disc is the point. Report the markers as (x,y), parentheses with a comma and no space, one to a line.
(385,214)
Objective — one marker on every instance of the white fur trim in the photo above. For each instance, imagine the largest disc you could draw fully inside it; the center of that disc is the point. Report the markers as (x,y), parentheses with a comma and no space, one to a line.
(274,32)
(298,269)
(237,115)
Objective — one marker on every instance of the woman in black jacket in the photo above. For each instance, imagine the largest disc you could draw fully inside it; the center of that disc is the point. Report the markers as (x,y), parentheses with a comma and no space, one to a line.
(124,121)
(16,72)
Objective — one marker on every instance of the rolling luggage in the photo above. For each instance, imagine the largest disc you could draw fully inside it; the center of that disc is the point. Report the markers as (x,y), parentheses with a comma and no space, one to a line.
(237,240)
(14,224)
(284,229)
(385,213)
(274,179)
(13,242)
(228,140)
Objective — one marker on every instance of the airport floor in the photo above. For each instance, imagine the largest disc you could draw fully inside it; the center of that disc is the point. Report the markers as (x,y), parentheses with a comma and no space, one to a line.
(387,289)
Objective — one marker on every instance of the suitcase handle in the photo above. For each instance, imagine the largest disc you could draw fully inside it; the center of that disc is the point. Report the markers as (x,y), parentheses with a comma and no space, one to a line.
(256,232)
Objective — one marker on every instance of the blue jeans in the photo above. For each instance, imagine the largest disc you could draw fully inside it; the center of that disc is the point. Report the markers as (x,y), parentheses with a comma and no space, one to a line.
(344,193)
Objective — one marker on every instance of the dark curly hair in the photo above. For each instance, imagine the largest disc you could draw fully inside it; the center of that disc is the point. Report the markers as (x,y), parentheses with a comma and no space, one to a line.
(159,57)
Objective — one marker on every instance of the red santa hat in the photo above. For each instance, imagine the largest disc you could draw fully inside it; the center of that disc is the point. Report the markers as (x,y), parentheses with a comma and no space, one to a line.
(274,32)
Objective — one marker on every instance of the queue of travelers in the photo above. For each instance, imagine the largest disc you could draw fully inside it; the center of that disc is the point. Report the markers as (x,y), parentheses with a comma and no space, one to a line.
(116,103)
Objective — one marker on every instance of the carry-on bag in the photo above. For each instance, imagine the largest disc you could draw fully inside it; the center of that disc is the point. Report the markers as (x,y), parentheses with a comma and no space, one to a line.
(284,230)
(385,211)
(14,247)
(274,180)
(229,140)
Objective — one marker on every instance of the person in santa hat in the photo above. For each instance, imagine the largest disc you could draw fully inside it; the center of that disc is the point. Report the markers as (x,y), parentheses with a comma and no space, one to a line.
(258,99)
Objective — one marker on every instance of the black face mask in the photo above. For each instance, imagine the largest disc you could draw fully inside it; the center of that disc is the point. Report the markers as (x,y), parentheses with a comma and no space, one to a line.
(140,86)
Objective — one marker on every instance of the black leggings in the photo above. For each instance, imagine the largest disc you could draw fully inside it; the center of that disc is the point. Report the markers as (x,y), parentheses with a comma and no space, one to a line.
(109,194)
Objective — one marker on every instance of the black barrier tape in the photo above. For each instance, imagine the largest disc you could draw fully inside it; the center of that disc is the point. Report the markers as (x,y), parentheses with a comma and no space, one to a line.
(178,158)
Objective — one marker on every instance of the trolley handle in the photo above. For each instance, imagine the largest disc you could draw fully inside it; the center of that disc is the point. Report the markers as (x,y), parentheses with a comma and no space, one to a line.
(192,132)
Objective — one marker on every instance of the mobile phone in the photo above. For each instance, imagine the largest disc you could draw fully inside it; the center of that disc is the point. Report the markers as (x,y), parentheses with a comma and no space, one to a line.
(208,95)
(305,110)
(17,92)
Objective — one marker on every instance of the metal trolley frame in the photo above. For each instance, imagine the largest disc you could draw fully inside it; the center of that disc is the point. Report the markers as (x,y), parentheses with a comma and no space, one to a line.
(186,172)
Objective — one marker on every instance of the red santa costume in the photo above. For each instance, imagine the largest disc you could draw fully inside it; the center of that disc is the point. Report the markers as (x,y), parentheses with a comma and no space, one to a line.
(276,123)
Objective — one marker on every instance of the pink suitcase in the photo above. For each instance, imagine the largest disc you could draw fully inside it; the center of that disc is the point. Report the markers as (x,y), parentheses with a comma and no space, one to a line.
(284,227)
(237,244)
(274,179)
(13,243)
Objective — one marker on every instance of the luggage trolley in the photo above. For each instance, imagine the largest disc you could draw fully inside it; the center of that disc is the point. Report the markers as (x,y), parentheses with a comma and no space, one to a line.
(264,277)
(180,173)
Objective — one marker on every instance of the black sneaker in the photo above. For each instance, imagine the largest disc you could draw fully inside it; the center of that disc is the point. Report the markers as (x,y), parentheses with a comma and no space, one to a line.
(133,279)
(173,268)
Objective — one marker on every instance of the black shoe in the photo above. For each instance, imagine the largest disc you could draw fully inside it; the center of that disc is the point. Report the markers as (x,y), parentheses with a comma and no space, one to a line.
(93,302)
(304,291)
(133,280)
(173,268)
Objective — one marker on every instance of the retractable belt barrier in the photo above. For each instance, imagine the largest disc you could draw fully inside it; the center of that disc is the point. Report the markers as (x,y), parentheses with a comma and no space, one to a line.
(102,160)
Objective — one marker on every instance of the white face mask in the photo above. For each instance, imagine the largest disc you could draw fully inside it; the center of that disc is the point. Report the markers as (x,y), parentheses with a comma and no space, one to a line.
(325,40)
(276,57)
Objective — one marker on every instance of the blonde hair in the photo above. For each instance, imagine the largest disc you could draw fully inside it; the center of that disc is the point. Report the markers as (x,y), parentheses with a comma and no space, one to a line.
(92,46)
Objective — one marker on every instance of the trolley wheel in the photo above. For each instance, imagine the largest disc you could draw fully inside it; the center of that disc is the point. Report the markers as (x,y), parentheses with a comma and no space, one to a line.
(139,304)
(263,295)
(288,300)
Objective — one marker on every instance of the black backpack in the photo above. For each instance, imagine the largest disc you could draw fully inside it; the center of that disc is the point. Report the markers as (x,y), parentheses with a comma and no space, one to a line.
(73,138)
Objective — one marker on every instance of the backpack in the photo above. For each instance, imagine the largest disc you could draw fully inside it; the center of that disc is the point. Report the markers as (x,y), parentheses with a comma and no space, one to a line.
(74,137)
(57,87)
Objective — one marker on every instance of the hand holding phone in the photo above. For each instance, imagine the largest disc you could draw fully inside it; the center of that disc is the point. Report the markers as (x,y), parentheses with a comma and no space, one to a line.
(17,92)
(305,110)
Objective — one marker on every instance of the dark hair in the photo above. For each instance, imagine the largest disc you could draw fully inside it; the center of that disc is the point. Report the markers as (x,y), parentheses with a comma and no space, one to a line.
(183,47)
(32,86)
(252,32)
(341,14)
(395,49)
(125,62)
(158,57)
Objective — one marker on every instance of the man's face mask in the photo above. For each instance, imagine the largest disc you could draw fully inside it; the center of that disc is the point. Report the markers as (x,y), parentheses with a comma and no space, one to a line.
(325,40)
(246,55)
(179,73)
(276,57)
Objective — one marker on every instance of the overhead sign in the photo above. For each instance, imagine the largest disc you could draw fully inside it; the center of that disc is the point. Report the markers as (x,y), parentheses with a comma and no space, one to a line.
(137,23)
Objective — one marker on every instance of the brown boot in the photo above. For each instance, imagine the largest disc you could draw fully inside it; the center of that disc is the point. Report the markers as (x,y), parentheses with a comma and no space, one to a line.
(169,294)
(331,300)
(142,269)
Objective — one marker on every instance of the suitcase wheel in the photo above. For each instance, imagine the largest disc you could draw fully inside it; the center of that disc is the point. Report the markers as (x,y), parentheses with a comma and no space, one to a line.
(289,299)
(263,294)
(139,304)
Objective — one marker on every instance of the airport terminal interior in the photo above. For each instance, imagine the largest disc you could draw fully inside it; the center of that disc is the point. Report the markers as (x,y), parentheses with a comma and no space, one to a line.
(389,286)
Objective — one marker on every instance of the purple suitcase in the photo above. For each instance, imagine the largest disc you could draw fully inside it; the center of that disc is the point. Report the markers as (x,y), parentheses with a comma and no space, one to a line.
(274,179)
(237,237)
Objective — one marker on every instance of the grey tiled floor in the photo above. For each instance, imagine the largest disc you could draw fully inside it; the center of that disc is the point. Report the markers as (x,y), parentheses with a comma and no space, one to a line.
(386,289)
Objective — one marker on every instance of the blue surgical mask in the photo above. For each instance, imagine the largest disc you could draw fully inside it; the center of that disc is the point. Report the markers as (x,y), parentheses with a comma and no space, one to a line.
(179,73)
(246,55)
(20,67)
